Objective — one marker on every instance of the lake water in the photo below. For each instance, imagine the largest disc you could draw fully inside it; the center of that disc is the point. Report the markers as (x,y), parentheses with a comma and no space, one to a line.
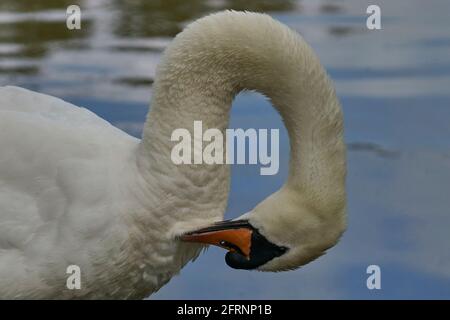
(394,85)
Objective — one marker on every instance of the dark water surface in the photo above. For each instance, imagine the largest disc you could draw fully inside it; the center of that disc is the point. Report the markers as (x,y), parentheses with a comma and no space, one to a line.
(394,85)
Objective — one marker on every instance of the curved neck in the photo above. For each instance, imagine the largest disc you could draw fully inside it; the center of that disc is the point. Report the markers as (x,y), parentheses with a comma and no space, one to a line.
(220,55)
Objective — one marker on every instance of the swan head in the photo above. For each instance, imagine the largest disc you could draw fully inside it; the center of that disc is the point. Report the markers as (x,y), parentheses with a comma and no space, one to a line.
(247,247)
(281,233)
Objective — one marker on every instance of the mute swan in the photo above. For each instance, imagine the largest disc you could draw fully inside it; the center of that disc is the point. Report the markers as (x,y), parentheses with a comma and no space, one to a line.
(74,190)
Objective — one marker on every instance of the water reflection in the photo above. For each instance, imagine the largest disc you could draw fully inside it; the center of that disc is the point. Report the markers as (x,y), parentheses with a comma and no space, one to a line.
(33,6)
(36,37)
(30,31)
(340,31)
(166,18)
(154,18)
(331,8)
(372,147)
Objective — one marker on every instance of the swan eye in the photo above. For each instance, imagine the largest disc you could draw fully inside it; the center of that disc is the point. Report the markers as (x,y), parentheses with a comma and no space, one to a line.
(233,248)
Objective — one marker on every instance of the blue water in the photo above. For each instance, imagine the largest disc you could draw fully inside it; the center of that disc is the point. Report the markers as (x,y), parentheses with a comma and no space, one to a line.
(394,87)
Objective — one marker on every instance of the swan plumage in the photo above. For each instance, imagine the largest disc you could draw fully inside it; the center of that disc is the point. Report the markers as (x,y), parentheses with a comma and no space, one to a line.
(76,190)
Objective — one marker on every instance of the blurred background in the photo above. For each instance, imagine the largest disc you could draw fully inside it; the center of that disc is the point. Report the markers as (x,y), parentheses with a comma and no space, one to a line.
(394,85)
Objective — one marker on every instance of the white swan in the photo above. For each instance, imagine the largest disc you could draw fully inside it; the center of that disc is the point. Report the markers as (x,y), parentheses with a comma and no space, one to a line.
(74,190)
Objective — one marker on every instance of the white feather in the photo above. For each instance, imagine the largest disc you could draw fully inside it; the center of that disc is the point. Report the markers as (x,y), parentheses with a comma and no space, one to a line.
(76,190)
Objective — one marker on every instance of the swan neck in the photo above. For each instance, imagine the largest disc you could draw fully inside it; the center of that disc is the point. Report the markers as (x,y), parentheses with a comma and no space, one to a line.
(217,57)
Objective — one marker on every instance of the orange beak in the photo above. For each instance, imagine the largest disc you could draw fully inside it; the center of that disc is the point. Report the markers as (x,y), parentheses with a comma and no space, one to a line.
(231,235)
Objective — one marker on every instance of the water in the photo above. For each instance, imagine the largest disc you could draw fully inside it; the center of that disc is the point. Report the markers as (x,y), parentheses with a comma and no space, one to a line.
(394,86)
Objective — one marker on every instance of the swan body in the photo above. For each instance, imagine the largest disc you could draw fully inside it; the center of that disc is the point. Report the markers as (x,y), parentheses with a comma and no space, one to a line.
(74,190)
(69,187)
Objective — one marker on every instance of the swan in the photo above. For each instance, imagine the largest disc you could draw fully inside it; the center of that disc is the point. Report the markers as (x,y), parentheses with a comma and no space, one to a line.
(76,191)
